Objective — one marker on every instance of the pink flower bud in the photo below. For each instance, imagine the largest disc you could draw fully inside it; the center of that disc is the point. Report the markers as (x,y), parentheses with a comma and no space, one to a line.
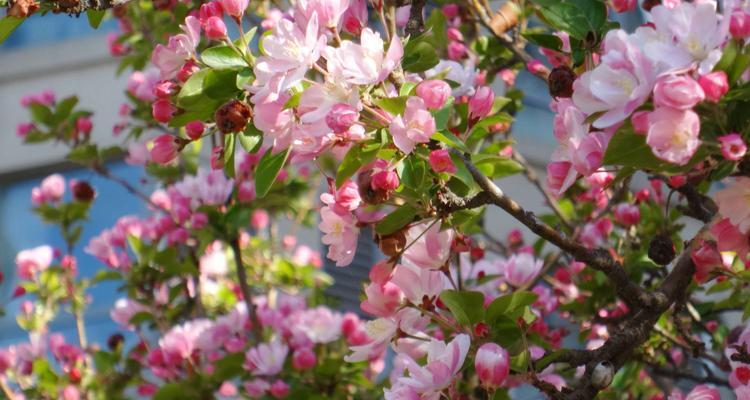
(84,125)
(279,389)
(70,392)
(678,91)
(235,8)
(732,146)
(27,307)
(52,188)
(187,70)
(228,389)
(217,157)
(259,220)
(198,220)
(558,177)
(402,16)
(341,117)
(454,34)
(492,363)
(208,10)
(627,214)
(440,161)
(705,258)
(194,129)
(165,89)
(536,67)
(739,24)
(508,76)
(303,359)
(450,10)
(23,129)
(147,389)
(434,93)
(715,85)
(456,50)
(215,28)
(164,149)
(624,5)
(385,180)
(162,110)
(480,104)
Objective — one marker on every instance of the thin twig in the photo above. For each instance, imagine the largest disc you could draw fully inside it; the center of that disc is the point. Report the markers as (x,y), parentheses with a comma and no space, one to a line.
(245,288)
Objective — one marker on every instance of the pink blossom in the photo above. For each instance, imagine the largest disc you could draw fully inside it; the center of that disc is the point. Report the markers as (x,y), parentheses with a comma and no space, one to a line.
(194,129)
(266,359)
(729,238)
(289,53)
(124,310)
(355,17)
(402,16)
(537,67)
(141,84)
(560,176)
(210,9)
(700,392)
(138,153)
(341,117)
(382,299)
(492,364)
(70,392)
(164,149)
(520,269)
(275,122)
(327,12)
(705,258)
(440,161)
(715,85)
(340,234)
(272,17)
(417,283)
(594,234)
(385,180)
(443,363)
(732,146)
(673,134)
(416,126)
(686,35)
(235,8)
(619,84)
(206,187)
(51,190)
(316,325)
(46,98)
(622,6)
(734,203)
(366,63)
(456,50)
(33,261)
(84,125)
(434,93)
(256,388)
(640,122)
(23,129)
(677,91)
(480,104)
(430,246)
(169,59)
(627,214)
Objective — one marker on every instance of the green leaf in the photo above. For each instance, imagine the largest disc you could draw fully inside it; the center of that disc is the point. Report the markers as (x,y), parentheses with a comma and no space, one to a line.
(436,26)
(394,105)
(396,220)
(419,56)
(223,57)
(64,108)
(220,84)
(510,305)
(358,155)
(728,54)
(95,17)
(544,40)
(141,317)
(267,171)
(192,91)
(251,138)
(630,149)
(104,361)
(41,113)
(467,306)
(450,140)
(407,89)
(244,78)
(249,35)
(8,25)
(106,275)
(443,114)
(577,17)
(177,391)
(495,166)
(746,311)
(84,154)
(228,367)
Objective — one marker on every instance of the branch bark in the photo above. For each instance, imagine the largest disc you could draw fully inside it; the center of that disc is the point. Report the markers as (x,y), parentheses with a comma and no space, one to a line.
(247,294)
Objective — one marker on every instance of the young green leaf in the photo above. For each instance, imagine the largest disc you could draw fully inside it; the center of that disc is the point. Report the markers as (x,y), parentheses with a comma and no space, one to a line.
(267,171)
(466,306)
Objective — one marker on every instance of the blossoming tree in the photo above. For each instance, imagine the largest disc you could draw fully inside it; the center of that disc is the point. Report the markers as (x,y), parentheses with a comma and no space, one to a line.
(403,111)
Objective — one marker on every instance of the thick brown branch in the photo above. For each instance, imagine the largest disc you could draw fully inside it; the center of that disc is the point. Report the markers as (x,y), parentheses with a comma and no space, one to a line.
(415,25)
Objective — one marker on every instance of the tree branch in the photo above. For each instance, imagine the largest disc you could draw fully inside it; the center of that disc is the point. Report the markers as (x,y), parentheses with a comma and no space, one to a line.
(415,25)
(244,287)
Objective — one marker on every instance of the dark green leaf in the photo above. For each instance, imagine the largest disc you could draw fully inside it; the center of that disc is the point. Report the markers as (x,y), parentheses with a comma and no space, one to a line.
(394,105)
(451,140)
(419,56)
(7,26)
(41,113)
(443,114)
(396,220)
(544,40)
(229,143)
(466,306)
(358,155)
(267,171)
(84,154)
(64,108)
(510,305)
(495,166)
(577,17)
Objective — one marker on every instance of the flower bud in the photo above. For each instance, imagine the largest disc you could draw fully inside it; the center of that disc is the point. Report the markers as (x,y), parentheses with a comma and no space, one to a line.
(480,104)
(162,110)
(164,149)
(739,23)
(187,70)
(678,91)
(450,10)
(84,125)
(194,129)
(279,389)
(232,116)
(440,161)
(215,28)
(368,193)
(627,214)
(341,117)
(561,81)
(456,50)
(83,192)
(385,180)
(622,6)
(217,157)
(208,10)
(492,364)
(732,146)
(165,89)
(303,359)
(705,258)
(259,220)
(715,85)
(235,8)
(434,93)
